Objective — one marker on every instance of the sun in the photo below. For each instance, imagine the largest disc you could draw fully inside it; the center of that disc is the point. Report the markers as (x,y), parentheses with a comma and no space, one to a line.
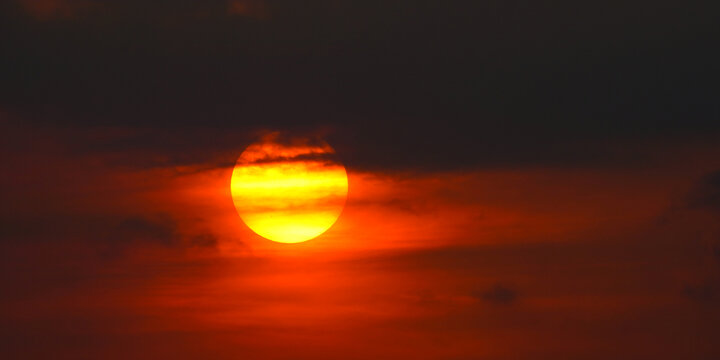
(289,191)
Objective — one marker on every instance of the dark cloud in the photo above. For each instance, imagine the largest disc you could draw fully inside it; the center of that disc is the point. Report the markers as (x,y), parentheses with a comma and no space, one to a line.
(104,233)
(703,293)
(60,254)
(498,294)
(159,229)
(162,230)
(203,240)
(323,159)
(706,194)
(403,84)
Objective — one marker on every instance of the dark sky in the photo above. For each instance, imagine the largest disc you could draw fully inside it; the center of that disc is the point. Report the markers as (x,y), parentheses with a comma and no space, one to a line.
(401,84)
(528,179)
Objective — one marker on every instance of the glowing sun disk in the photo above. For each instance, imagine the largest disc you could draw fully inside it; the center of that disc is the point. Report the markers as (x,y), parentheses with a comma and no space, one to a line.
(284,197)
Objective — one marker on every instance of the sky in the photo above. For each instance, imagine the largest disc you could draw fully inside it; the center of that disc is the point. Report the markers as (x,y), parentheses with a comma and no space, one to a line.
(526,179)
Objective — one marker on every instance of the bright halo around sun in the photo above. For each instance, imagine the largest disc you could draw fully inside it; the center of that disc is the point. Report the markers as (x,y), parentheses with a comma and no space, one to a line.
(289,191)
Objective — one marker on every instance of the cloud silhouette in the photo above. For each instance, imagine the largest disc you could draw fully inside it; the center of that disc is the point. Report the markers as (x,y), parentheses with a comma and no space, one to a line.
(706,194)
(703,293)
(498,294)
(396,98)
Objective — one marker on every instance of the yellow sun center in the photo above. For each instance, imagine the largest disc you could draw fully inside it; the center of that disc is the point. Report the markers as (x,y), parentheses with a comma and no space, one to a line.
(288,193)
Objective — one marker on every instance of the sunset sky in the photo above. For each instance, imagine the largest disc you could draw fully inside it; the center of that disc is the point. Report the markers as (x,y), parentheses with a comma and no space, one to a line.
(525,179)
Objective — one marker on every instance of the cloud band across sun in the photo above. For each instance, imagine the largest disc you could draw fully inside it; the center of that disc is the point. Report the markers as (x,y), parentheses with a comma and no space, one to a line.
(288,192)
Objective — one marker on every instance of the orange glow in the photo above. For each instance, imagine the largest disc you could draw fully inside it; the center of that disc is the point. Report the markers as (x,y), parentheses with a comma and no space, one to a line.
(288,193)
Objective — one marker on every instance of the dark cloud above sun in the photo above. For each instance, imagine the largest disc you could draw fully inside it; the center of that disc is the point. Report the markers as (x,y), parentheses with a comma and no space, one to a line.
(477,83)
